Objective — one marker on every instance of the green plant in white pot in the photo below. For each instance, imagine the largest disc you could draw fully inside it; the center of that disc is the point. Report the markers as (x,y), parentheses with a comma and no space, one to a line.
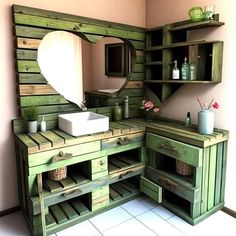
(30,114)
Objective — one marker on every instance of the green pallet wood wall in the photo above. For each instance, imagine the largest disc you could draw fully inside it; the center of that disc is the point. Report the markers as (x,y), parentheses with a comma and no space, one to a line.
(31,25)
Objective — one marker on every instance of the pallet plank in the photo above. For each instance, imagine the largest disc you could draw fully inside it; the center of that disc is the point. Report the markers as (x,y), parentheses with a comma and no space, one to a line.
(79,206)
(68,210)
(58,214)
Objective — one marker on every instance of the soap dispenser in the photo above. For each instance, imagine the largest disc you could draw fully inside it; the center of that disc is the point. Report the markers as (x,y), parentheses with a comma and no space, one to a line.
(43,125)
(188,120)
(126,112)
(117,112)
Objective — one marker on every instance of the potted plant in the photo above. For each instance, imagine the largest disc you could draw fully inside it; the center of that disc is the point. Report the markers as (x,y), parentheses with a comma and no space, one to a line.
(30,114)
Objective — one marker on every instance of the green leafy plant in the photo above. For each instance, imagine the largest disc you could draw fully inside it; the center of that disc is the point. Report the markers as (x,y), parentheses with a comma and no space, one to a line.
(30,113)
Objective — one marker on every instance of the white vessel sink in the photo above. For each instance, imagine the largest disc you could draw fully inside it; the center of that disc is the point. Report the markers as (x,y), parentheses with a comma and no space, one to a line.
(82,123)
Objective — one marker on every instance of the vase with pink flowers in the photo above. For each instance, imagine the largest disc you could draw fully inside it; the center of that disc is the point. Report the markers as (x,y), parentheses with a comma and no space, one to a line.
(150,109)
(206,117)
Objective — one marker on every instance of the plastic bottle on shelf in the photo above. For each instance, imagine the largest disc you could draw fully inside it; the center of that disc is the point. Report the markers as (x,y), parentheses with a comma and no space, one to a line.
(117,112)
(192,71)
(188,120)
(185,70)
(175,71)
(43,125)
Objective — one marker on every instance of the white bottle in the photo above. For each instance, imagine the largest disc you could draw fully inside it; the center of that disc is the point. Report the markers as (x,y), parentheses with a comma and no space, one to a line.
(43,125)
(126,113)
(175,71)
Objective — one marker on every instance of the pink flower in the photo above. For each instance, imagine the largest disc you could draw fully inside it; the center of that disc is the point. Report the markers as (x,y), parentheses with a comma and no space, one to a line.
(156,109)
(216,105)
(149,106)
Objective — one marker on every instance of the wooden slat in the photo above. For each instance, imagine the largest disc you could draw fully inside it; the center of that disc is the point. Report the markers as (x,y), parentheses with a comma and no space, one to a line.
(52,186)
(42,100)
(28,43)
(58,214)
(50,221)
(27,78)
(134,84)
(56,140)
(219,159)
(212,178)
(31,145)
(79,179)
(119,189)
(79,206)
(75,18)
(118,163)
(68,210)
(222,194)
(67,182)
(114,195)
(205,174)
(29,90)
(75,26)
(27,66)
(32,32)
(26,54)
(43,143)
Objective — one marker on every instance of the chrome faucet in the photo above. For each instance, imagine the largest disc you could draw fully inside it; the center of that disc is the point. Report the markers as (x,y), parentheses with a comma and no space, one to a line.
(83,106)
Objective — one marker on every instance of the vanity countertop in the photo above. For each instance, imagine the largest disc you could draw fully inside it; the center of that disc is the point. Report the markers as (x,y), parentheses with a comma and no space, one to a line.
(52,139)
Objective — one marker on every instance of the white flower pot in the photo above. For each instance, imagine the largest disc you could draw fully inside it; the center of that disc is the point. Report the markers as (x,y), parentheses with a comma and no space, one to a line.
(32,127)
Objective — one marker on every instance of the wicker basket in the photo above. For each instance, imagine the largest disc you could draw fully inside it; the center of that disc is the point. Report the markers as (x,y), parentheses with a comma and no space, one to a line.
(183,168)
(58,174)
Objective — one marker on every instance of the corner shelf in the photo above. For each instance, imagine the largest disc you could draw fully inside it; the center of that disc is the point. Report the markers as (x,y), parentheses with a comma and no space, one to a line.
(168,43)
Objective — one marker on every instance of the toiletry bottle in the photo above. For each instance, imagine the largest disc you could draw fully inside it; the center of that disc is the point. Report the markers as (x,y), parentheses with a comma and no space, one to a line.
(185,70)
(117,113)
(126,112)
(188,121)
(192,71)
(43,126)
(175,71)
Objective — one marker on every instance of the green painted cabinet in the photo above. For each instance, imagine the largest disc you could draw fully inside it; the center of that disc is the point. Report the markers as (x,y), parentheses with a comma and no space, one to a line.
(188,167)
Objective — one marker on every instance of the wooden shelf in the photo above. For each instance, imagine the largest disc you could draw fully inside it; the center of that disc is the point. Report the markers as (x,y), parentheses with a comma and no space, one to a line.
(181,44)
(153,63)
(179,82)
(189,25)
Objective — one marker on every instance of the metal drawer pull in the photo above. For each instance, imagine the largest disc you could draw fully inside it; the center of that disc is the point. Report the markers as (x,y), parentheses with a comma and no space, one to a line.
(167,147)
(124,174)
(123,141)
(68,193)
(61,156)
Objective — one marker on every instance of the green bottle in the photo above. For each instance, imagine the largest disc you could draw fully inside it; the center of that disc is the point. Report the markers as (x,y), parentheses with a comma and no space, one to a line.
(185,70)
(117,112)
(192,71)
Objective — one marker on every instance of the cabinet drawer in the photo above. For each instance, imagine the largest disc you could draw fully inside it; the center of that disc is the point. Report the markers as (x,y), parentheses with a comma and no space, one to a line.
(66,152)
(122,140)
(180,151)
(151,189)
(100,192)
(179,187)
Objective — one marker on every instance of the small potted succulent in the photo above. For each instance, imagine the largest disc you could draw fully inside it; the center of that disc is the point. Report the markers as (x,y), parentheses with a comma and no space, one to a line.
(30,114)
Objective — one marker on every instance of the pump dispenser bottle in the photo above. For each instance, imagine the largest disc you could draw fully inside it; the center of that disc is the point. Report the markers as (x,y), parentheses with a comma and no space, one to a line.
(117,112)
(43,125)
(126,112)
(188,120)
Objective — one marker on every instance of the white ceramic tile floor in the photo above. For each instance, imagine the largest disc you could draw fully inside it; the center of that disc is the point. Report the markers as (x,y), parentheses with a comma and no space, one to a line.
(141,216)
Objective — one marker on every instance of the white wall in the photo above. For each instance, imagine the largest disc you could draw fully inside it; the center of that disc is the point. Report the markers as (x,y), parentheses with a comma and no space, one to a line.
(166,11)
(128,12)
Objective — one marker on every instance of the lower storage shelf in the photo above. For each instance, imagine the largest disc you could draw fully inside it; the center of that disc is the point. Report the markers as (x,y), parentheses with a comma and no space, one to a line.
(71,212)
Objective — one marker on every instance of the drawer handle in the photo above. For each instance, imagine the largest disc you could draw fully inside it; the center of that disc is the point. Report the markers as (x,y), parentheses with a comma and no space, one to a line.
(169,183)
(61,156)
(69,192)
(101,163)
(123,141)
(124,174)
(167,147)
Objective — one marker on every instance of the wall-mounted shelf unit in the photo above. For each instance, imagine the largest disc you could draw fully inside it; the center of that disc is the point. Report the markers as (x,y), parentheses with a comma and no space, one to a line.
(166,44)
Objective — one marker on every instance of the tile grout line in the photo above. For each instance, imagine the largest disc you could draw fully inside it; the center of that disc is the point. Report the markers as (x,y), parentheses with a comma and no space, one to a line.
(95,227)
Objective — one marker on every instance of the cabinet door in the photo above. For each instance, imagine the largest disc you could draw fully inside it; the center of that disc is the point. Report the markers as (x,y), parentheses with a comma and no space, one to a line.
(151,189)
